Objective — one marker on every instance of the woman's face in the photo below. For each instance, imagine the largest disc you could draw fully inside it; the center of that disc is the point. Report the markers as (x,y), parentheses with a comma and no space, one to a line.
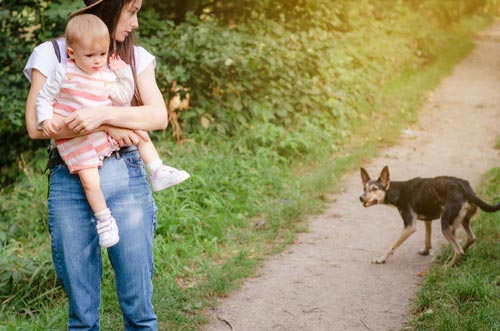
(128,20)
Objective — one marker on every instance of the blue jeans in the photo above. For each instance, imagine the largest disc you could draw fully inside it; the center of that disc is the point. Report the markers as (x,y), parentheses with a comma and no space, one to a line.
(75,245)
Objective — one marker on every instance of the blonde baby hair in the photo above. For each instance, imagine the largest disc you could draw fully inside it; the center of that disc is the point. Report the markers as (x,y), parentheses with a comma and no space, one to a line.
(86,29)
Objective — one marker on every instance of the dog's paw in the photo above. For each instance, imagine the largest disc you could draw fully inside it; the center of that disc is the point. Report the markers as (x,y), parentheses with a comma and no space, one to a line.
(380,260)
(424,252)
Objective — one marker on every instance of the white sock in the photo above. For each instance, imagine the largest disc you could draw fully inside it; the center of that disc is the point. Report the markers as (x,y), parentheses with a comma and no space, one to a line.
(103,214)
(152,166)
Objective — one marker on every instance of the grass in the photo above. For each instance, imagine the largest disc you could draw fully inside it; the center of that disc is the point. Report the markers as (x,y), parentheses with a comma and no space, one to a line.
(239,207)
(467,297)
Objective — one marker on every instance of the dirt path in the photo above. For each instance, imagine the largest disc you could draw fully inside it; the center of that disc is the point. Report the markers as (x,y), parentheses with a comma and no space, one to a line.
(326,281)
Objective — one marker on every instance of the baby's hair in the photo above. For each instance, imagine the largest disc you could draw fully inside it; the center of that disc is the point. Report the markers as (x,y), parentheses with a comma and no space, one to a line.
(86,28)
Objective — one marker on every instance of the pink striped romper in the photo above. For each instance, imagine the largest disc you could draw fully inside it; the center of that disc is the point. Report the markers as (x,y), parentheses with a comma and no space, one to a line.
(77,90)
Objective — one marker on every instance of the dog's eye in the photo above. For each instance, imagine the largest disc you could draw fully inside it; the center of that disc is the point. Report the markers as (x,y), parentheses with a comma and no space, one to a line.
(373,189)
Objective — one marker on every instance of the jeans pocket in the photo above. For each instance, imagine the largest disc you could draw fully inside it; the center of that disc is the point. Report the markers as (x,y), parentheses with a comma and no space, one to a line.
(135,164)
(133,159)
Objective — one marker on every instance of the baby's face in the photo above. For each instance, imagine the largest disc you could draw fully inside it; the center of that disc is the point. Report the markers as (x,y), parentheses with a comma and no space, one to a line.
(89,58)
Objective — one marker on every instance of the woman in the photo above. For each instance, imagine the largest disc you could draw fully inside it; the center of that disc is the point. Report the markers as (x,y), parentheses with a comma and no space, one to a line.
(75,244)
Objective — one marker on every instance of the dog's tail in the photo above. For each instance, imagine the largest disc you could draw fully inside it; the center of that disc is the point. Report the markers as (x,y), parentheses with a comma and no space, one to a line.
(483,205)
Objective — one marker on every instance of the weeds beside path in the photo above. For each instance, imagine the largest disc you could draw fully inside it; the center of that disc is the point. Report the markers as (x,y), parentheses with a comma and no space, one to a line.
(325,282)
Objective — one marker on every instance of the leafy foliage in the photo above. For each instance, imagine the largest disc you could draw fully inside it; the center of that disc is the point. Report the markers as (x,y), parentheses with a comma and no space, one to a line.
(248,62)
(271,63)
(23,25)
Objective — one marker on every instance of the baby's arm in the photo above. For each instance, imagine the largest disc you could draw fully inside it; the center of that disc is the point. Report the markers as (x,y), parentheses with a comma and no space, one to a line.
(122,90)
(116,63)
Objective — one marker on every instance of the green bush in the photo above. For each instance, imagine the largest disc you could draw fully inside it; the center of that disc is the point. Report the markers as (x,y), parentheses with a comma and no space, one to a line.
(23,25)
(273,62)
(248,62)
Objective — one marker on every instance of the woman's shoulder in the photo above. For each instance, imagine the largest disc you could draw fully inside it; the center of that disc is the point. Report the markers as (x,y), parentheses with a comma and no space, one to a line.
(51,50)
(143,58)
(45,57)
(139,50)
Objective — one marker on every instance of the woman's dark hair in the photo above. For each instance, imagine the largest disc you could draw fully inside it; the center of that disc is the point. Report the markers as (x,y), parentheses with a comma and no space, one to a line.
(109,12)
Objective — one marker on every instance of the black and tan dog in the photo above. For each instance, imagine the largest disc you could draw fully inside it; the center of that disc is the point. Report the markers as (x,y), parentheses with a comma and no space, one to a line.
(449,198)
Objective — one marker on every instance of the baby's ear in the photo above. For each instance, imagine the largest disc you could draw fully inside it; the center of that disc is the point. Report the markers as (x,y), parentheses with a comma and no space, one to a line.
(71,52)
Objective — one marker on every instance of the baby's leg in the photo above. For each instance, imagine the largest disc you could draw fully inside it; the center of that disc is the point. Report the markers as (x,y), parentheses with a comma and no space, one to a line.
(106,224)
(91,184)
(162,176)
(148,152)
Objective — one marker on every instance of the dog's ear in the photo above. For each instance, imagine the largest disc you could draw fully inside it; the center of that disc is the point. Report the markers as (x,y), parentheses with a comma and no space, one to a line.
(384,178)
(364,177)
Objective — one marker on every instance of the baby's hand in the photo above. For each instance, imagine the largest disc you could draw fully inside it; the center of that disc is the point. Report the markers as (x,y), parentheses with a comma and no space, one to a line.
(50,127)
(116,63)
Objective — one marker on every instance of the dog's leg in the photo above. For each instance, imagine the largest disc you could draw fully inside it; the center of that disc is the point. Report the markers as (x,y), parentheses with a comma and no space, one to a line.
(453,216)
(428,233)
(407,232)
(449,234)
(471,238)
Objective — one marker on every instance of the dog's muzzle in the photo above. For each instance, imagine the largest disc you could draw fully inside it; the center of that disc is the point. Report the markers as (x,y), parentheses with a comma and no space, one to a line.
(367,203)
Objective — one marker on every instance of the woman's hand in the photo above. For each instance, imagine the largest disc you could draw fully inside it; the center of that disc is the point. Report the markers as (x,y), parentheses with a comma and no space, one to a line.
(126,137)
(86,120)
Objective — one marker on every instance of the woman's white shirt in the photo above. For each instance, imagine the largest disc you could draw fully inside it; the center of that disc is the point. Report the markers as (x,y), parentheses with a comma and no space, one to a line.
(44,58)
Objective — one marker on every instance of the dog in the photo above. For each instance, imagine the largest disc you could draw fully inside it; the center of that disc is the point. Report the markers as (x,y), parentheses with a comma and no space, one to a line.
(449,198)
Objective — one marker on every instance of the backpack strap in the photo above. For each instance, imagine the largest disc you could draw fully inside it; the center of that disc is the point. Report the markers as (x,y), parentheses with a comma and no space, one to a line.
(54,157)
(57,50)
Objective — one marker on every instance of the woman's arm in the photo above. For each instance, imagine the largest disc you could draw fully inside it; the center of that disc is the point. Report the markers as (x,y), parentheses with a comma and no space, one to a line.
(37,81)
(124,137)
(151,116)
